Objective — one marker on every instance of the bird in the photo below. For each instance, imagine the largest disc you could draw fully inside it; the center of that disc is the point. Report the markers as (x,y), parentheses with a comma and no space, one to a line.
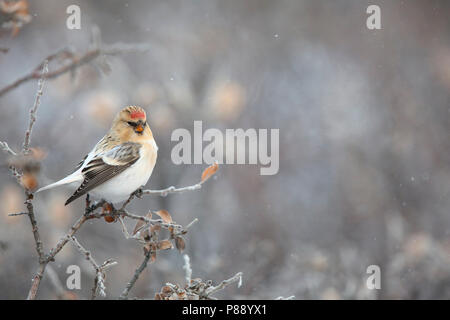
(119,164)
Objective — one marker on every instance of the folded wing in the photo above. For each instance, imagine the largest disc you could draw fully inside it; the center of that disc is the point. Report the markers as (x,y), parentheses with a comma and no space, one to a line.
(106,166)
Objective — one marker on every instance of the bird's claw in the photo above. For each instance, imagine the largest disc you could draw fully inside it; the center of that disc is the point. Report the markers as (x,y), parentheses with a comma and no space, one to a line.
(138,193)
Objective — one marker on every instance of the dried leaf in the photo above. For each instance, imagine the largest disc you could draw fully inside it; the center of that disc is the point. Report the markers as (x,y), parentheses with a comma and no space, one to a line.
(140,223)
(158,296)
(38,154)
(165,216)
(14,14)
(165,244)
(166,290)
(109,219)
(155,228)
(180,244)
(210,171)
(153,257)
(29,181)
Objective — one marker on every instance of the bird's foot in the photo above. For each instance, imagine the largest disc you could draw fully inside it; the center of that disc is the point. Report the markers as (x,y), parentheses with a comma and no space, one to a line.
(138,193)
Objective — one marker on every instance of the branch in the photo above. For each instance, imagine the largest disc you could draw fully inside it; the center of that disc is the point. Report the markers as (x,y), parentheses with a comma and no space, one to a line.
(136,275)
(236,278)
(207,173)
(7,149)
(37,102)
(29,195)
(74,63)
(172,189)
(187,268)
(99,282)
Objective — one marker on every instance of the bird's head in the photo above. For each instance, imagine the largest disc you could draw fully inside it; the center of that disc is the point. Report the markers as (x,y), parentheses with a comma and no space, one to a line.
(132,122)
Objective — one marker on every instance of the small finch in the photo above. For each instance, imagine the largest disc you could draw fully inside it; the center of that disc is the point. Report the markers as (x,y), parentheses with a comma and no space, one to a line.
(120,163)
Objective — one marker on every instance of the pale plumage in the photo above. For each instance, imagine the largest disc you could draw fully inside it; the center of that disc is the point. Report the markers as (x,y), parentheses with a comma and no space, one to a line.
(119,164)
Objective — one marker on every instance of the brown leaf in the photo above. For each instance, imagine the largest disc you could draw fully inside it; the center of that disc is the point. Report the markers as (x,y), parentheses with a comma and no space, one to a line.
(155,228)
(16,13)
(29,181)
(165,216)
(153,257)
(140,223)
(158,296)
(109,219)
(210,171)
(165,244)
(166,290)
(38,154)
(179,242)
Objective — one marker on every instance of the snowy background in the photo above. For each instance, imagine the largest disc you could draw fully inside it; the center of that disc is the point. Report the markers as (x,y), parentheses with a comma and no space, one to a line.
(364,119)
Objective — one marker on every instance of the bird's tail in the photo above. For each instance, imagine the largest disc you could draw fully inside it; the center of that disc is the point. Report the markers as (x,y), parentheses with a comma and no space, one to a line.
(75,177)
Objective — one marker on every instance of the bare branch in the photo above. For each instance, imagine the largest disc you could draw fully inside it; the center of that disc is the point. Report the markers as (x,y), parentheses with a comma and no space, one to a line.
(29,196)
(17,214)
(136,275)
(187,268)
(207,173)
(99,282)
(236,278)
(36,281)
(75,62)
(37,102)
(172,189)
(60,291)
(287,298)
(7,149)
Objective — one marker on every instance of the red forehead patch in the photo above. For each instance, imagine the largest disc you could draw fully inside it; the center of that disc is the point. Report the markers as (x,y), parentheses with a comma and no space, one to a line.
(137,115)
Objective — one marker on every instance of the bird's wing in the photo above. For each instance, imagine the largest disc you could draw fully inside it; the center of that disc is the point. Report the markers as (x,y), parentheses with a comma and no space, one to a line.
(105,166)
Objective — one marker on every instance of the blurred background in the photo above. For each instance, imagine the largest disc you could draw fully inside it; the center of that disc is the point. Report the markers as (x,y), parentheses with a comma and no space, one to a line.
(364,117)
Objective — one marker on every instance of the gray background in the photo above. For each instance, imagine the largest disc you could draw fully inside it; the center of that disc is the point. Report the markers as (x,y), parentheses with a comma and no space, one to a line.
(364,151)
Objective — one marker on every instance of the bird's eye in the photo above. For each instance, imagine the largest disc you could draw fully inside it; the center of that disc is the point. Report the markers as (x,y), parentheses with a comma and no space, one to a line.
(131,123)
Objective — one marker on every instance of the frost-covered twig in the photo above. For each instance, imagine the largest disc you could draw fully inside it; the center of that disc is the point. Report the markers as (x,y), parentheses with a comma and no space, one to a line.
(37,103)
(29,196)
(99,282)
(75,62)
(236,278)
(136,275)
(7,149)
(207,173)
(172,189)
(187,268)
(287,298)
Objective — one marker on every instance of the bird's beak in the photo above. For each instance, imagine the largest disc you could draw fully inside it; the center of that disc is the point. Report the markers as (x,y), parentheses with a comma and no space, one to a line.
(139,128)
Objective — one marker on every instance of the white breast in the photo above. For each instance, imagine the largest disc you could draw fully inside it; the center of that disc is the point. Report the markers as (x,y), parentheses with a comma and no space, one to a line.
(120,187)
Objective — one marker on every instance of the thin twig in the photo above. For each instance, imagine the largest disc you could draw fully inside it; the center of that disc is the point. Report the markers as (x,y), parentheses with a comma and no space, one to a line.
(17,214)
(187,268)
(29,196)
(53,276)
(99,282)
(37,102)
(172,189)
(236,278)
(75,62)
(136,275)
(7,149)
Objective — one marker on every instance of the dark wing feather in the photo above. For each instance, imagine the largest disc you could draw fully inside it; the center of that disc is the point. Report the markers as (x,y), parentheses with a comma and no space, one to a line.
(106,166)
(80,163)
